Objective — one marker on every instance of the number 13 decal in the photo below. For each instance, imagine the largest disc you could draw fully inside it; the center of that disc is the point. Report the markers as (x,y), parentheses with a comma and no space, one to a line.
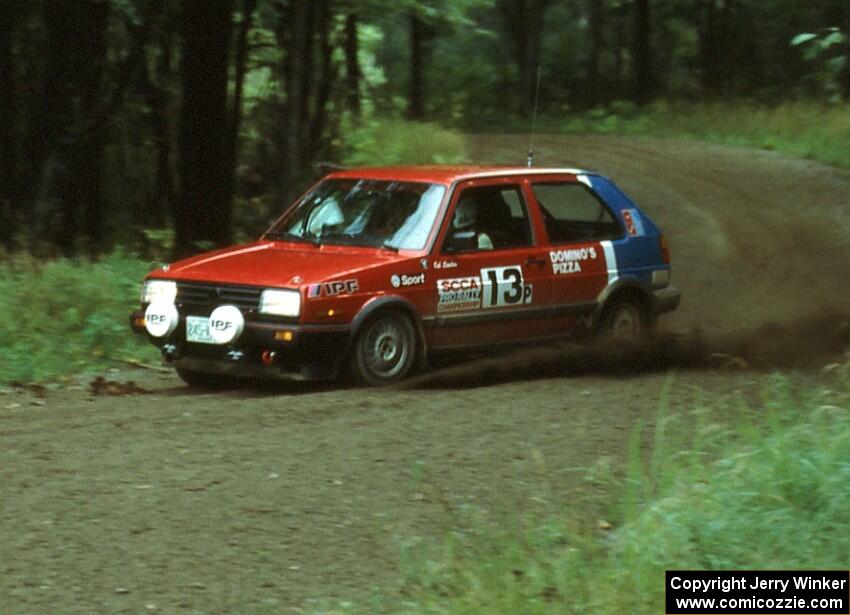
(503,286)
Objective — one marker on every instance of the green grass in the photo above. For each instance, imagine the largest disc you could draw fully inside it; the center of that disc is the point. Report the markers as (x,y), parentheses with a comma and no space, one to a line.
(769,489)
(395,141)
(801,129)
(65,317)
(805,130)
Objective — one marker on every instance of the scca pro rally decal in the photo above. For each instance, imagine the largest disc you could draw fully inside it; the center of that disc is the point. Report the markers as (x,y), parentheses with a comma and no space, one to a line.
(457,294)
(634,223)
(569,261)
(495,287)
(331,289)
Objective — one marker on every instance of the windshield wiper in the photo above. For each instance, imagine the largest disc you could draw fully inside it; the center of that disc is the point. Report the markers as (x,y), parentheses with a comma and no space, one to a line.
(286,235)
(352,239)
(334,239)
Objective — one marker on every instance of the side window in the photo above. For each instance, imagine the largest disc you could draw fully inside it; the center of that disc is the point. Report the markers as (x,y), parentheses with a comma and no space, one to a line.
(573,213)
(488,218)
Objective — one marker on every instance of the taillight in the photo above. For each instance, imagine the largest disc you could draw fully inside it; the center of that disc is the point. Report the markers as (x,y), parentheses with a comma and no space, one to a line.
(665,249)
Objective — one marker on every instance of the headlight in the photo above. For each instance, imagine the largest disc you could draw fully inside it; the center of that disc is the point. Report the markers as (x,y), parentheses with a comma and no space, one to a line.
(164,291)
(280,302)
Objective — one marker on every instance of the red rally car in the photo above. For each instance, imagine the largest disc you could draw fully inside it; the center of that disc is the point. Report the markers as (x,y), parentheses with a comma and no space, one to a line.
(374,270)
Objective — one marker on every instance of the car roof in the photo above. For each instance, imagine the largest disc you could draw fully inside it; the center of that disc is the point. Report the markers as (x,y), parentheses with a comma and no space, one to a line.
(447,174)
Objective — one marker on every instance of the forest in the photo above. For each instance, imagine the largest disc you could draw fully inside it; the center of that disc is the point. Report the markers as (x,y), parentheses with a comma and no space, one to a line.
(188,124)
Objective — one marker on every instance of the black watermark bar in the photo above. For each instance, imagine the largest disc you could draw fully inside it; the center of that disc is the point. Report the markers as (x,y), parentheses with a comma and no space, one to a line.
(805,592)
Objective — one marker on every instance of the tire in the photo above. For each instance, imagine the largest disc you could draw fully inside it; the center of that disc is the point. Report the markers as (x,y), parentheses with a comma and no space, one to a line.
(385,350)
(203,380)
(625,320)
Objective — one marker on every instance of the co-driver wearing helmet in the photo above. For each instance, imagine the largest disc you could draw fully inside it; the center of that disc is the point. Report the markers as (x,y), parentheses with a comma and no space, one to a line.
(465,218)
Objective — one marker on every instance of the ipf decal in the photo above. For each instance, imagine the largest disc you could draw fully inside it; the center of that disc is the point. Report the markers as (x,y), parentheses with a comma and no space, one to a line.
(331,289)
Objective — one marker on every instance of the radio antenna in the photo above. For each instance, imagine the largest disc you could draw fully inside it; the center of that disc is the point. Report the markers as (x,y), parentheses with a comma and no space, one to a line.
(534,120)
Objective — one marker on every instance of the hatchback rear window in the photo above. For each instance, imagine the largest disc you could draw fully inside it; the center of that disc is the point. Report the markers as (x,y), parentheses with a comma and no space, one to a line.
(572,212)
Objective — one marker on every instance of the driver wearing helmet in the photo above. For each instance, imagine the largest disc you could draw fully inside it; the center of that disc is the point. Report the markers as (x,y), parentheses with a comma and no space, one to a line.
(465,219)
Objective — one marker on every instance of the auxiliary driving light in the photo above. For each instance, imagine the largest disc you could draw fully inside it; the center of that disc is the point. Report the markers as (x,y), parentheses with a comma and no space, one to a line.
(161,318)
(226,324)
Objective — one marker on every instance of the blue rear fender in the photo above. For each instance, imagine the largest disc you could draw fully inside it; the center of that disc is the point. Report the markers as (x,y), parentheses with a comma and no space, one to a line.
(639,262)
(638,254)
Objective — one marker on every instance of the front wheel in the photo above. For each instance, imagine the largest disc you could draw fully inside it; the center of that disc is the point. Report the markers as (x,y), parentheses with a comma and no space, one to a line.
(625,320)
(384,351)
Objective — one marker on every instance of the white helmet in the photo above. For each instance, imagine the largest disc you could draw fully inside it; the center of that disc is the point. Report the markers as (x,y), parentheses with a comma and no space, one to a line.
(466,213)
(325,214)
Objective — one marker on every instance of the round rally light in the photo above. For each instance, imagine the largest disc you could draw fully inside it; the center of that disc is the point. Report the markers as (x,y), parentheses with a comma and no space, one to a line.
(226,324)
(161,319)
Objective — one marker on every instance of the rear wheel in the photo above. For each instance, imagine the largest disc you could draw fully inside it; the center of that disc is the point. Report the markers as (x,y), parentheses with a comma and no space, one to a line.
(624,320)
(385,350)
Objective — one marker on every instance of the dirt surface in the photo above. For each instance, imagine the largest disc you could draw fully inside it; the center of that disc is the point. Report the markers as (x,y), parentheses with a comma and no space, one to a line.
(153,498)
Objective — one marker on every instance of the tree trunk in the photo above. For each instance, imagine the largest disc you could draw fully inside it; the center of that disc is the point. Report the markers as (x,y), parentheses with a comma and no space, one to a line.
(235,118)
(416,86)
(352,64)
(715,46)
(156,93)
(642,62)
(524,20)
(308,82)
(846,80)
(709,49)
(621,36)
(8,168)
(295,34)
(69,140)
(327,76)
(204,212)
(596,15)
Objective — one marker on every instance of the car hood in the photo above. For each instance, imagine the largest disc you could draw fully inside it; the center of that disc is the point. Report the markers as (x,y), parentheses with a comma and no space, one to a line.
(269,263)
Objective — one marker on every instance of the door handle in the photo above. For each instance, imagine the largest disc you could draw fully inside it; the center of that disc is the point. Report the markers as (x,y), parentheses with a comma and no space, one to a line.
(535,260)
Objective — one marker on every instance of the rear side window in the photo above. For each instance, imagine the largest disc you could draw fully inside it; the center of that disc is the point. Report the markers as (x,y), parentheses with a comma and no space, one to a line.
(573,213)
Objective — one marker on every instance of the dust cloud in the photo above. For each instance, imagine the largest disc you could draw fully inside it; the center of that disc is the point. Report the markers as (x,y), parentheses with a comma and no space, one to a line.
(806,343)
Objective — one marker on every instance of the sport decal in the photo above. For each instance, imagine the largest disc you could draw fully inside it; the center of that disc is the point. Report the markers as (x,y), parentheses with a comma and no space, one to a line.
(569,261)
(331,289)
(495,287)
(634,223)
(407,280)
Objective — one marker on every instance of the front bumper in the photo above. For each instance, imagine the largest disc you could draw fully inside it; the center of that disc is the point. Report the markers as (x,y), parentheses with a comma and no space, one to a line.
(266,349)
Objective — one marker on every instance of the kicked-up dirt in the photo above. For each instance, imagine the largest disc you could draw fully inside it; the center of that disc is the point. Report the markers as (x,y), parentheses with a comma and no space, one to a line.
(155,498)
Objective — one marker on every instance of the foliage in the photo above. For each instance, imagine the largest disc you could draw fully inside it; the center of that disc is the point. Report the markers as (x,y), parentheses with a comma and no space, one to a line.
(106,150)
(769,489)
(827,52)
(68,316)
(400,142)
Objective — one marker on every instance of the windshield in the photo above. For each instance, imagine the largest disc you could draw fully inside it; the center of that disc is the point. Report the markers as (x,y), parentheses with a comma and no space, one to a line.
(390,214)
